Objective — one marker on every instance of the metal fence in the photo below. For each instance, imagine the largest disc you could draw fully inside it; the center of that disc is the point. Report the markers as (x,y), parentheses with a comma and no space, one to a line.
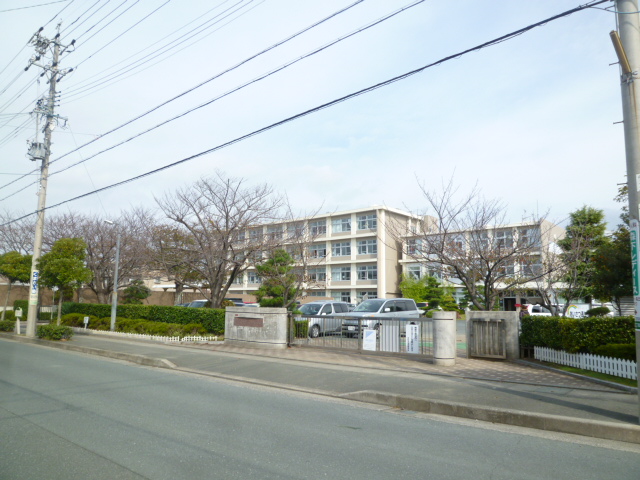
(382,334)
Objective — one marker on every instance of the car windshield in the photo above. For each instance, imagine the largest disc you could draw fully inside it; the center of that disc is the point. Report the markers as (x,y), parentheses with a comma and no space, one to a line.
(369,306)
(310,308)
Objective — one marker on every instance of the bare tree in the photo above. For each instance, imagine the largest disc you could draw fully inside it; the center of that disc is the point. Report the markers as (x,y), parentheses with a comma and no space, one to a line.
(468,241)
(101,239)
(16,235)
(224,218)
(173,253)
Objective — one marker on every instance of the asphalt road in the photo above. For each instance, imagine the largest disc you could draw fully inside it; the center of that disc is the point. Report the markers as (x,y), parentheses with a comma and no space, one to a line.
(69,416)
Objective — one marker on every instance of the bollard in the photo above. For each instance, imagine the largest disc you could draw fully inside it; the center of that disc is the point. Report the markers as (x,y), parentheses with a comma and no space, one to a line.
(444,338)
(18,312)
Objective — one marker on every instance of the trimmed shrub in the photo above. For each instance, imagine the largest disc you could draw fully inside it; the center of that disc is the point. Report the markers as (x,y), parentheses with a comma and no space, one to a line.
(10,315)
(76,320)
(54,332)
(597,312)
(7,326)
(211,319)
(625,351)
(575,335)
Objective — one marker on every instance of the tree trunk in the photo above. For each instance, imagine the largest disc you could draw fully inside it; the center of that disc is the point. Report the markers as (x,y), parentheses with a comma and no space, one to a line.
(59,308)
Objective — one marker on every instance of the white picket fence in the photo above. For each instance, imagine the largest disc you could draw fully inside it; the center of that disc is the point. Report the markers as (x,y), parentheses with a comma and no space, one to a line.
(155,338)
(586,361)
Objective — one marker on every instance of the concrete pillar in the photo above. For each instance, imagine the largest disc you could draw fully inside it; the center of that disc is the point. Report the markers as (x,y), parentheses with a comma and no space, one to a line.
(444,338)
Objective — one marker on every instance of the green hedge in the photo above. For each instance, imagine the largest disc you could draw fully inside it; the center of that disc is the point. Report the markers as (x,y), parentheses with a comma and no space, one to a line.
(7,326)
(54,332)
(211,319)
(135,325)
(576,335)
(626,351)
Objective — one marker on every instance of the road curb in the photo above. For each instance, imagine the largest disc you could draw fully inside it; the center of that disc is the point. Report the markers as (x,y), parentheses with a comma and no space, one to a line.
(555,423)
(128,357)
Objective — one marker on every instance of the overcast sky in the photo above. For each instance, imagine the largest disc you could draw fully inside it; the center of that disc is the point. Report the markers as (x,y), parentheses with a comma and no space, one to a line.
(531,121)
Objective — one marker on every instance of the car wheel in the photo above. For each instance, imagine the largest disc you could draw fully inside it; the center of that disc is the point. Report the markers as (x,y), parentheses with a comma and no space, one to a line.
(314,332)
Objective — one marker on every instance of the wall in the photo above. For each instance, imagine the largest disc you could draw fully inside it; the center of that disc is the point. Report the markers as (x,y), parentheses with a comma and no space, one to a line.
(256,327)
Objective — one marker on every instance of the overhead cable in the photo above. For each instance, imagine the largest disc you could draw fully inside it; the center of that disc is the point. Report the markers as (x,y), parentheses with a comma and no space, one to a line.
(490,43)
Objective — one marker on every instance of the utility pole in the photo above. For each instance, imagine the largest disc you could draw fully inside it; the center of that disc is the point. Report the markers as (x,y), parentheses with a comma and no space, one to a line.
(627,45)
(42,152)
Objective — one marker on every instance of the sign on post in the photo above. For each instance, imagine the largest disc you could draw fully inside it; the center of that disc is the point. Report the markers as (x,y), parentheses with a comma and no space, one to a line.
(413,338)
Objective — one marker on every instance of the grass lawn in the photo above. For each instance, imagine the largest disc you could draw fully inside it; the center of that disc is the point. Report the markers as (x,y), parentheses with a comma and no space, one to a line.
(588,373)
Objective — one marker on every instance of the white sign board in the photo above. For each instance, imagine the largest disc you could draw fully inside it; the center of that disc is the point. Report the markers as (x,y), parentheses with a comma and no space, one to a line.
(369,339)
(413,338)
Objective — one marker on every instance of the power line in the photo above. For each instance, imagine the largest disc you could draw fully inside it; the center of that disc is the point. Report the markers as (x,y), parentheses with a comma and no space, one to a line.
(371,88)
(33,6)
(156,53)
(236,89)
(218,75)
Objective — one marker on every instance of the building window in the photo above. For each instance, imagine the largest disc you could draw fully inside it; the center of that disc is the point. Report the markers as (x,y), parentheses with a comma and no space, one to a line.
(367,272)
(339,225)
(367,222)
(237,280)
(295,230)
(253,277)
(506,269)
(317,274)
(341,274)
(317,293)
(341,296)
(367,295)
(341,249)
(295,251)
(319,227)
(318,251)
(413,246)
(241,236)
(529,237)
(274,232)
(367,247)
(414,271)
(504,239)
(255,235)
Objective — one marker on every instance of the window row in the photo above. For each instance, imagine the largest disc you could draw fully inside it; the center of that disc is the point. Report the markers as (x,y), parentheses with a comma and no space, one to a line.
(315,228)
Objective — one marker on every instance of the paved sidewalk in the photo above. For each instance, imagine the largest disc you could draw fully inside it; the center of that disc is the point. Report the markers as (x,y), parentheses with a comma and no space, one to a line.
(495,391)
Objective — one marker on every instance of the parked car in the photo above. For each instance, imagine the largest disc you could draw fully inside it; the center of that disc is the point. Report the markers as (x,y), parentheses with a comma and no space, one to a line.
(372,310)
(199,303)
(537,311)
(326,309)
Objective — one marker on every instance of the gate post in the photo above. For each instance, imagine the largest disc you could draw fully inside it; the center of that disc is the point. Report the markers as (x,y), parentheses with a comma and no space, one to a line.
(444,338)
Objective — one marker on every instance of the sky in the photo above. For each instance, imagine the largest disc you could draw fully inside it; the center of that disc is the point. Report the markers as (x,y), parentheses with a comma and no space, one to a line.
(530,122)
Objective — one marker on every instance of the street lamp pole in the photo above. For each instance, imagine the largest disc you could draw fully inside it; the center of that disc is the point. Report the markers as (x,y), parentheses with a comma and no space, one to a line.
(114,294)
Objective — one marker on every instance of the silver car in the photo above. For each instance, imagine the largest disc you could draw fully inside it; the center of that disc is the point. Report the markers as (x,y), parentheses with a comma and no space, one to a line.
(370,311)
(321,315)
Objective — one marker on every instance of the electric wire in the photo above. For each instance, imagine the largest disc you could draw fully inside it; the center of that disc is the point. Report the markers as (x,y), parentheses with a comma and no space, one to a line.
(246,60)
(150,56)
(78,37)
(32,6)
(121,34)
(68,33)
(238,88)
(123,76)
(110,21)
(337,101)
(79,17)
